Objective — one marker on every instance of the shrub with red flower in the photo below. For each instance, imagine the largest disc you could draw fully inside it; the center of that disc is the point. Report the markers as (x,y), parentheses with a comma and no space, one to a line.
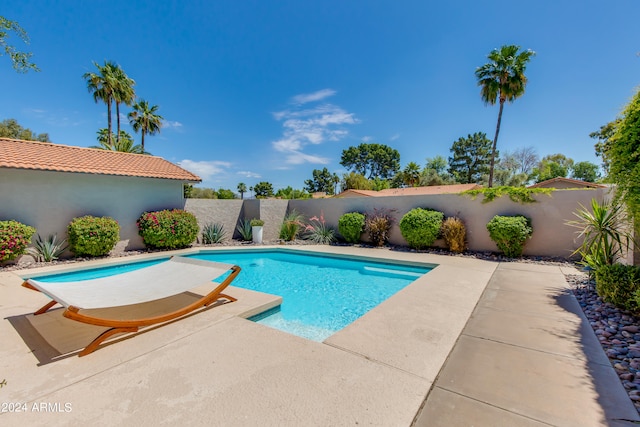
(14,239)
(168,229)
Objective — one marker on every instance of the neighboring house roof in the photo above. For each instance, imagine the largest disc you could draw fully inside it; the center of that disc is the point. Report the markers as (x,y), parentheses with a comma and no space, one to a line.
(46,156)
(566,183)
(411,191)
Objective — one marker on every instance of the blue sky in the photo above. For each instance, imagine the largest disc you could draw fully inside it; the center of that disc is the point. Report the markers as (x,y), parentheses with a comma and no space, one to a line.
(270,90)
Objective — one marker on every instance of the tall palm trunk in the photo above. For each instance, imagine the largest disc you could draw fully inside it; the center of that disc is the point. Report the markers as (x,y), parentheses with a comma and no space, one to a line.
(495,144)
(118,122)
(142,144)
(109,123)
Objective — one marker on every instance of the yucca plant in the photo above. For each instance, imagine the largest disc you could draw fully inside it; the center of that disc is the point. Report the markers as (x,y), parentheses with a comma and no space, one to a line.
(606,233)
(49,249)
(213,233)
(244,228)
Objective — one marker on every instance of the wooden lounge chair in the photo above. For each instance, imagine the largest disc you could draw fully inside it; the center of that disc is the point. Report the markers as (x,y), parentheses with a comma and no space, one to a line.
(166,279)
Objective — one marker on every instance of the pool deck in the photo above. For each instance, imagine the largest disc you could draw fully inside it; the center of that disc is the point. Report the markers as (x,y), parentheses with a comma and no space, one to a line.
(471,343)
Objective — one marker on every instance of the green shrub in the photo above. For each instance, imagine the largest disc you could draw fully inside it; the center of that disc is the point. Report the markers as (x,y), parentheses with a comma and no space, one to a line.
(378,224)
(510,233)
(454,234)
(213,233)
(168,229)
(257,222)
(619,284)
(350,226)
(93,236)
(420,227)
(14,238)
(291,226)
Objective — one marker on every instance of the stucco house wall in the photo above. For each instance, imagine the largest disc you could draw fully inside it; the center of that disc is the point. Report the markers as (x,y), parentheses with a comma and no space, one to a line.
(49,200)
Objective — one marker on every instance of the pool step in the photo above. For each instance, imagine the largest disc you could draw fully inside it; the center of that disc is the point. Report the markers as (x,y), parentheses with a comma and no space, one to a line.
(388,272)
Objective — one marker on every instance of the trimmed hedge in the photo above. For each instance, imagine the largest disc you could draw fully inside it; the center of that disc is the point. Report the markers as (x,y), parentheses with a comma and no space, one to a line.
(510,233)
(168,229)
(421,227)
(14,239)
(93,236)
(350,226)
(619,284)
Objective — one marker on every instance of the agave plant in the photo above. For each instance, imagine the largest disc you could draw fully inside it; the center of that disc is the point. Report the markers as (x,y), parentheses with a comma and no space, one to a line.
(213,233)
(244,228)
(49,249)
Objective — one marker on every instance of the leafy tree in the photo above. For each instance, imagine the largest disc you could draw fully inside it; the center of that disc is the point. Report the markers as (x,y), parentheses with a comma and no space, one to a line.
(20,60)
(502,80)
(224,193)
(242,188)
(103,86)
(187,191)
(322,181)
(203,193)
(552,166)
(10,128)
(603,136)
(355,181)
(372,160)
(144,118)
(435,172)
(291,193)
(123,144)
(622,153)
(508,172)
(378,184)
(123,93)
(471,158)
(263,190)
(586,171)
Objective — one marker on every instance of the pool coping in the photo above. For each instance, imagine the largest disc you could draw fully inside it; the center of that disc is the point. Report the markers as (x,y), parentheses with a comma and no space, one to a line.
(378,370)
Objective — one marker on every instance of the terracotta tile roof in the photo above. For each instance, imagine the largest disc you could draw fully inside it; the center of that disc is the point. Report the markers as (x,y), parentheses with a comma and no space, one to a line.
(411,191)
(36,155)
(549,183)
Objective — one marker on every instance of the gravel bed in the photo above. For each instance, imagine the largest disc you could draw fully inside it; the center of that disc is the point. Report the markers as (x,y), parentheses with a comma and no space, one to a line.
(618,332)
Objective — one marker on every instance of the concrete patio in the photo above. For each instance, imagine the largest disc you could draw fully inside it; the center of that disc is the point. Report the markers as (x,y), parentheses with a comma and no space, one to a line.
(471,343)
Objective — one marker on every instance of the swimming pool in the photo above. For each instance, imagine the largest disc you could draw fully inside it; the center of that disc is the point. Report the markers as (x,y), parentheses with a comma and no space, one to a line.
(321,294)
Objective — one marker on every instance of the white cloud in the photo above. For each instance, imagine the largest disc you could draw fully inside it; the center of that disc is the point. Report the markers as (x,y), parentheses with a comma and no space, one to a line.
(298,158)
(311,126)
(171,124)
(394,137)
(249,174)
(303,98)
(366,138)
(204,169)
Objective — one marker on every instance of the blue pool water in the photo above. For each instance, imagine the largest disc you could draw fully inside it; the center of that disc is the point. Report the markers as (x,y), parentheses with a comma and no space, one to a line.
(321,294)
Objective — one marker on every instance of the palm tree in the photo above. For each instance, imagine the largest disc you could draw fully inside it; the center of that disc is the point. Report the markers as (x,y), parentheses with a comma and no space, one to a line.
(502,80)
(123,144)
(144,119)
(123,93)
(411,174)
(336,180)
(242,188)
(103,86)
